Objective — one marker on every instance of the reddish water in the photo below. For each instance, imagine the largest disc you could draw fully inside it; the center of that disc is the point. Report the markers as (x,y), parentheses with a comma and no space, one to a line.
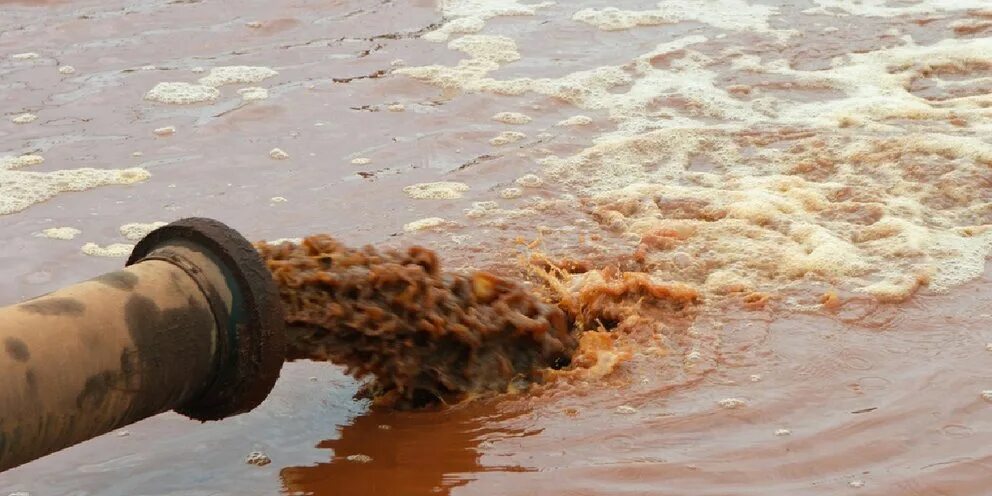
(876,398)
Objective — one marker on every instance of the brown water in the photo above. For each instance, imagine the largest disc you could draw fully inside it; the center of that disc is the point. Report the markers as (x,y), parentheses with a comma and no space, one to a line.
(790,179)
(421,336)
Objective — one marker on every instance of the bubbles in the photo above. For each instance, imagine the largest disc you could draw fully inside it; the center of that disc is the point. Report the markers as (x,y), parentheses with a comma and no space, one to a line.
(626,410)
(66,70)
(165,131)
(511,118)
(9,163)
(24,56)
(181,93)
(396,107)
(236,74)
(135,231)
(21,189)
(61,232)
(783,432)
(530,181)
(253,93)
(118,250)
(507,137)
(511,193)
(575,120)
(258,459)
(361,161)
(359,458)
(425,224)
(442,190)
(278,154)
(25,118)
(732,403)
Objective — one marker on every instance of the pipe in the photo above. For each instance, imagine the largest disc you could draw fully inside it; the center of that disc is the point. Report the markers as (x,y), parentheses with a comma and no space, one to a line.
(192,324)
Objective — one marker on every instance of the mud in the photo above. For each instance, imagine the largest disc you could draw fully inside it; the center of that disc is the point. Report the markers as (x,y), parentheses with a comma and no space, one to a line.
(426,336)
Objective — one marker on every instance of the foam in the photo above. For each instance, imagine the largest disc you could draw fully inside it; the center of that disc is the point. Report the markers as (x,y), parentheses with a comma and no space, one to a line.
(732,403)
(278,154)
(25,118)
(165,131)
(883,8)
(507,137)
(511,193)
(181,93)
(65,70)
(732,15)
(253,93)
(21,189)
(25,56)
(236,74)
(61,232)
(118,250)
(425,224)
(575,120)
(135,231)
(512,118)
(443,190)
(361,161)
(470,16)
(9,163)
(396,107)
(530,181)
(822,177)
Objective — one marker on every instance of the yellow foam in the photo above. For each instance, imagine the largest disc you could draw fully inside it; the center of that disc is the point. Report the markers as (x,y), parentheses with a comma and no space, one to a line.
(111,250)
(236,74)
(181,93)
(61,232)
(443,190)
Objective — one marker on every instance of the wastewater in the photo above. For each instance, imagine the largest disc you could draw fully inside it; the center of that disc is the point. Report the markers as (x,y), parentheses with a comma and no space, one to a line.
(758,230)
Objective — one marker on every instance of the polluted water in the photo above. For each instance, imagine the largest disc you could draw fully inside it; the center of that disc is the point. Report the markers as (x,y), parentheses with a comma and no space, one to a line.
(643,247)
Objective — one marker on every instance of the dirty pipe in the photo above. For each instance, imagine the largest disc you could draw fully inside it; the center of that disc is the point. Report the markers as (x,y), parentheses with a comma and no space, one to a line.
(192,324)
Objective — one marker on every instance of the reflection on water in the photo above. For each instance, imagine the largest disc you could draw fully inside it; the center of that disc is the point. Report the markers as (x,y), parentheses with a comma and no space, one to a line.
(398,453)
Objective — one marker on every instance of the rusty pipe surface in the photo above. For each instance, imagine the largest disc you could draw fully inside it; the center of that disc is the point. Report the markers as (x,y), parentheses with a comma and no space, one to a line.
(192,324)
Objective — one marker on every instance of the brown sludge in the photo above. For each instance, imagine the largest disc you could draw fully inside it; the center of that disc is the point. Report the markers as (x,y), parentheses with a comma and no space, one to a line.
(427,337)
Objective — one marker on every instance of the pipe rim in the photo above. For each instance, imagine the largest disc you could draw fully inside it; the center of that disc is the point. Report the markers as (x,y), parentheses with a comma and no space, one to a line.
(244,382)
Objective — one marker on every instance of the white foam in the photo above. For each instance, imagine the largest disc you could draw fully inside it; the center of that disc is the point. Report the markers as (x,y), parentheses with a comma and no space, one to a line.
(237,74)
(278,154)
(181,93)
(9,163)
(361,161)
(732,403)
(511,193)
(253,93)
(61,232)
(25,118)
(575,120)
(65,70)
(165,131)
(112,250)
(135,231)
(425,224)
(530,181)
(733,15)
(469,16)
(443,190)
(507,137)
(512,118)
(24,56)
(884,8)
(21,189)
